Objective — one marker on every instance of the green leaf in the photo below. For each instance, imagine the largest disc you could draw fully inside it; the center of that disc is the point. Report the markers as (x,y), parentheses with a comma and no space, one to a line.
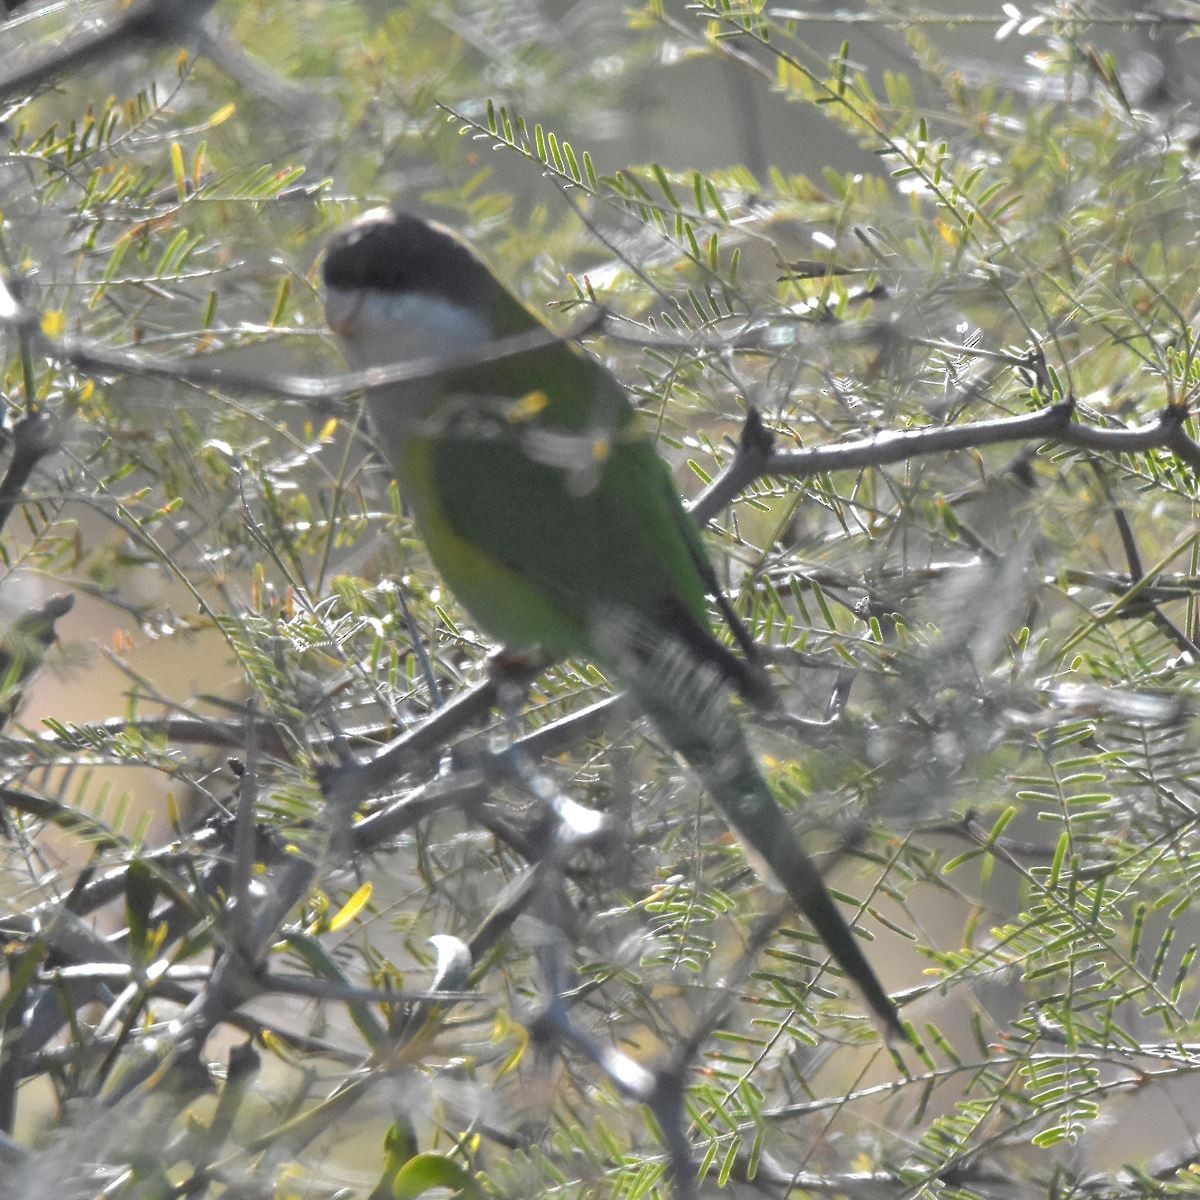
(427,1171)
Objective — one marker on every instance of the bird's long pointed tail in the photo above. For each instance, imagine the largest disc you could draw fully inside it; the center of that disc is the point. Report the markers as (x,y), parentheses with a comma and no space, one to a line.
(689,703)
(750,808)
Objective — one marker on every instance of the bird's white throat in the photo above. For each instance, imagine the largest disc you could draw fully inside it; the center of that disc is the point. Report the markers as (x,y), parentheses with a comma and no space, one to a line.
(379,328)
(383,328)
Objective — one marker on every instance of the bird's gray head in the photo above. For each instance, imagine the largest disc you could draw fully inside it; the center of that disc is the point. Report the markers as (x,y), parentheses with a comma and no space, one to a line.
(399,287)
(394,252)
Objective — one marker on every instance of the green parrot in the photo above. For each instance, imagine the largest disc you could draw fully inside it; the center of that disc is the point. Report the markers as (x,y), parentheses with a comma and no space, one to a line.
(547,510)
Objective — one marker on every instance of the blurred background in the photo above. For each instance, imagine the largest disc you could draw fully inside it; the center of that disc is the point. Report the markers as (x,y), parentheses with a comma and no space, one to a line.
(860,222)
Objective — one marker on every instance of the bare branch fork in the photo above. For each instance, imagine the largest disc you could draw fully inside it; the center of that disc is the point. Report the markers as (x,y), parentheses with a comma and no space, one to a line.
(150,23)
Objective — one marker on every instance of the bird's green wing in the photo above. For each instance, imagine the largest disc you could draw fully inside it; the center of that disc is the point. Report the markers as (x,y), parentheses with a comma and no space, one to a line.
(542,471)
(586,529)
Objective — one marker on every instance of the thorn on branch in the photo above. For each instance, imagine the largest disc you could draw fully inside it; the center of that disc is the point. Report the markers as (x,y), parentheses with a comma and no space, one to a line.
(756,438)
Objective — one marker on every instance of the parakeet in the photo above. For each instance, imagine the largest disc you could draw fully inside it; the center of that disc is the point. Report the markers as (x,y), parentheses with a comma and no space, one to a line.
(548,512)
